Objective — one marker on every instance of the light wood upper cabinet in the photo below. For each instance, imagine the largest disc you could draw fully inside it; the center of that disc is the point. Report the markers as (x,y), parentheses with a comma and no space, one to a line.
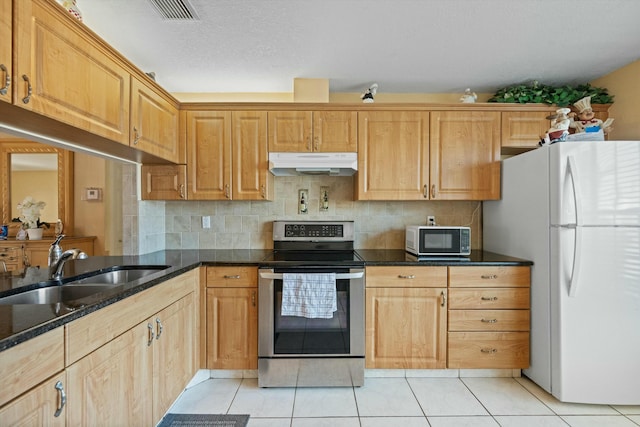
(523,129)
(154,122)
(164,182)
(393,155)
(307,131)
(465,155)
(251,177)
(208,155)
(227,156)
(64,75)
(5,50)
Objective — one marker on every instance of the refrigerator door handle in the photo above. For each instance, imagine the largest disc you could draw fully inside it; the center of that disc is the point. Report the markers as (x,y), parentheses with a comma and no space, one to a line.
(572,169)
(575,269)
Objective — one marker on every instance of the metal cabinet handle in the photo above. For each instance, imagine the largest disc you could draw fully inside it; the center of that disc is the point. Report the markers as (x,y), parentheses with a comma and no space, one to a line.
(7,81)
(410,276)
(489,320)
(63,398)
(27,98)
(425,192)
(309,148)
(253,298)
(227,192)
(489,350)
(151,334)
(444,299)
(229,276)
(181,191)
(489,298)
(433,191)
(263,191)
(160,328)
(316,143)
(489,276)
(136,136)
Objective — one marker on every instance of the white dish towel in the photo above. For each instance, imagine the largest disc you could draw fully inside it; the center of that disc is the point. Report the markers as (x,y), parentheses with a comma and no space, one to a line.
(310,295)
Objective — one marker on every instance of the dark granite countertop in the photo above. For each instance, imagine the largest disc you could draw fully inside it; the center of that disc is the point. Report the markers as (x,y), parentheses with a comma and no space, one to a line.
(19,323)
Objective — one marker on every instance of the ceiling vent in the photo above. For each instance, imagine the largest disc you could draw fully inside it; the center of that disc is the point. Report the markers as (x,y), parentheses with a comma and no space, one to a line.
(175,9)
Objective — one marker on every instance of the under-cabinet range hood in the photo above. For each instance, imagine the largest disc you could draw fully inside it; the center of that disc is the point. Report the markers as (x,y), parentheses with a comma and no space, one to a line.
(334,164)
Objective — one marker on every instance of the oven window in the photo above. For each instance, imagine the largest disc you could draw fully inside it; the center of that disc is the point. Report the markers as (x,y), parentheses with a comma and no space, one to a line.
(299,335)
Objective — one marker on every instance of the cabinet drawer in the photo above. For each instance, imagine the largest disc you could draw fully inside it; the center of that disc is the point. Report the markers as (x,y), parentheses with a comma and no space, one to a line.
(406,277)
(489,320)
(489,298)
(474,277)
(232,277)
(501,350)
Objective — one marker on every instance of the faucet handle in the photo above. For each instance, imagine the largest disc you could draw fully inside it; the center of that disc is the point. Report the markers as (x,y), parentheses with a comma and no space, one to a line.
(58,238)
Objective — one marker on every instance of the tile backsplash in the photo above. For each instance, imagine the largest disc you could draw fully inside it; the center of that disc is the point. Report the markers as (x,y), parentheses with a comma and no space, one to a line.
(151,225)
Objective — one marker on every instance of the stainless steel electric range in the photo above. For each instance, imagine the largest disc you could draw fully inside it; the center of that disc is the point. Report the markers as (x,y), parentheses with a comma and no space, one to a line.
(311,312)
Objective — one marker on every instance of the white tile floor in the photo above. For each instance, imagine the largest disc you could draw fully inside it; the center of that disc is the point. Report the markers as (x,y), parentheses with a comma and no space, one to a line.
(406,402)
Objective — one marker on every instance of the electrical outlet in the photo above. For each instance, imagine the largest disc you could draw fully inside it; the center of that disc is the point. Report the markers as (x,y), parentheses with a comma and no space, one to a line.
(206,221)
(431,220)
(303,201)
(324,199)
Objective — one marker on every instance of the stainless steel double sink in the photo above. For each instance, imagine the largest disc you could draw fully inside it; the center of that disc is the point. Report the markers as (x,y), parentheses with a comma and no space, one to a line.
(90,284)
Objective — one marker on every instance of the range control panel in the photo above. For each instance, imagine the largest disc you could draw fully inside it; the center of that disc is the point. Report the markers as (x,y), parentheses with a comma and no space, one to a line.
(314,230)
(324,231)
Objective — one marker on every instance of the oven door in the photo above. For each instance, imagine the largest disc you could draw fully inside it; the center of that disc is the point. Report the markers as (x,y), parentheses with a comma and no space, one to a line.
(293,336)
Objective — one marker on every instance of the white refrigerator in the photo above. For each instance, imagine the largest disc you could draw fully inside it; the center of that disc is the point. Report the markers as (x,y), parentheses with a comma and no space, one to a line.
(573,208)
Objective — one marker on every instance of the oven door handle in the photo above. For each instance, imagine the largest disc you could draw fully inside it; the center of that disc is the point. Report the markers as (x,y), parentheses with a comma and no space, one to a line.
(339,276)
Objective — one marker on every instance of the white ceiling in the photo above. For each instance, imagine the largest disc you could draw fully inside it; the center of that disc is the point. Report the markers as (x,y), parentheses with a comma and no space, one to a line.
(406,46)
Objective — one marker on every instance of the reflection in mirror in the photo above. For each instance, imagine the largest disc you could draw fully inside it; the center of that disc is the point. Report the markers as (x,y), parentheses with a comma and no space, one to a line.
(35,175)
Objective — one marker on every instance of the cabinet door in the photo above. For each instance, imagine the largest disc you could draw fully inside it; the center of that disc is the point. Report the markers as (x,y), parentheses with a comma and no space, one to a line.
(208,155)
(112,385)
(154,122)
(465,155)
(174,347)
(393,156)
(232,328)
(38,407)
(66,75)
(290,131)
(335,131)
(164,182)
(5,50)
(523,129)
(250,158)
(406,328)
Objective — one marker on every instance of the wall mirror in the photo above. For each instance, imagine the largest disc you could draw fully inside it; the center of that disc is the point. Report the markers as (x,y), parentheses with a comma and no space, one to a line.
(42,172)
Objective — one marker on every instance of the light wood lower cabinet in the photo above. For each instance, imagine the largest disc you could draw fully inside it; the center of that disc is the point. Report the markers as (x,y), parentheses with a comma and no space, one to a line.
(129,361)
(406,317)
(232,318)
(489,317)
(38,407)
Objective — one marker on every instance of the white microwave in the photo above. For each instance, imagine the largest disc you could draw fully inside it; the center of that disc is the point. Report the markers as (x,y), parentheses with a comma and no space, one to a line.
(423,240)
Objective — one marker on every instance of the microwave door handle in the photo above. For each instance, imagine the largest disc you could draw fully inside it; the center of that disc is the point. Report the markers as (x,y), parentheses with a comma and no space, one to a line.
(339,276)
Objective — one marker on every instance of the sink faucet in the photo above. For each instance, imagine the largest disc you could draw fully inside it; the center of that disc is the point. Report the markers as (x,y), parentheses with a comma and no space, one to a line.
(57,267)
(55,250)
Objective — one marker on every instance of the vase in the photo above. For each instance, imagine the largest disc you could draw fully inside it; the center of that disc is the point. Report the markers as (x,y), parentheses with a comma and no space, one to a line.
(35,233)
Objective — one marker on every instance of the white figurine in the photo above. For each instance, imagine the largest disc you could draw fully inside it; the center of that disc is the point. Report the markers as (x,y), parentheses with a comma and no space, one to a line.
(468,97)
(559,129)
(367,97)
(586,121)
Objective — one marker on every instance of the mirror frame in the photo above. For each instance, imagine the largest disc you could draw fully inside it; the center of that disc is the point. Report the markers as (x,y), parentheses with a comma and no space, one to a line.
(65,182)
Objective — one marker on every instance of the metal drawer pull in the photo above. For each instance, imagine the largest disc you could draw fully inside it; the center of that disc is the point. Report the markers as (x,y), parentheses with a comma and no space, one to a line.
(410,276)
(63,398)
(489,320)
(160,328)
(489,276)
(235,276)
(151,335)
(7,81)
(489,350)
(181,191)
(489,298)
(339,276)
(27,98)
(444,299)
